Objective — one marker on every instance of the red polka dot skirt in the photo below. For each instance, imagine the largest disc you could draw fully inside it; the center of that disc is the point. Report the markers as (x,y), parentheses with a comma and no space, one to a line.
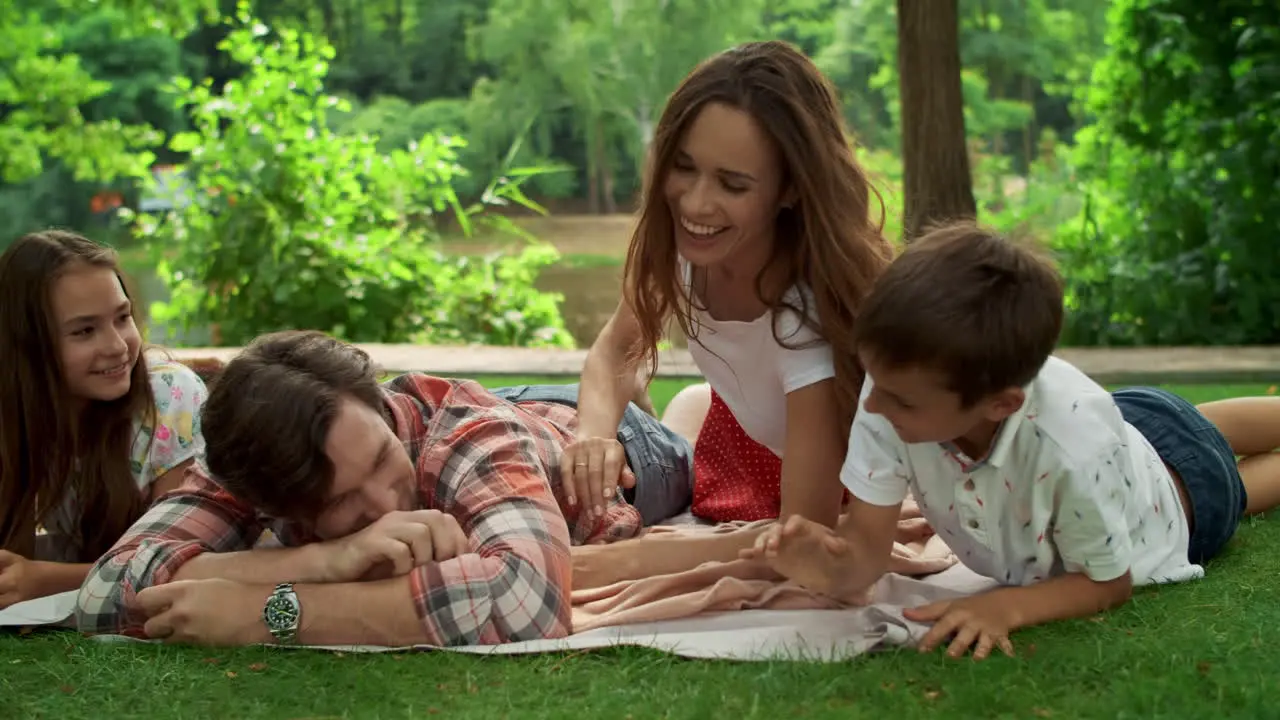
(734,477)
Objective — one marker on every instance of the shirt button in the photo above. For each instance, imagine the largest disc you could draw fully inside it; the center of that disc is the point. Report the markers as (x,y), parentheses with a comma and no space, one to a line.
(968,485)
(974,524)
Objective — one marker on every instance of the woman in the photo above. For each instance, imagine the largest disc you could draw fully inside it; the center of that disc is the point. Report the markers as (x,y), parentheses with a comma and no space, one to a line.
(756,235)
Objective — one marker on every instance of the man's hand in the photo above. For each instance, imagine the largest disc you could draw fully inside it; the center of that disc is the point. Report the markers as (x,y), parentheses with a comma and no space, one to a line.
(982,622)
(205,612)
(19,579)
(394,545)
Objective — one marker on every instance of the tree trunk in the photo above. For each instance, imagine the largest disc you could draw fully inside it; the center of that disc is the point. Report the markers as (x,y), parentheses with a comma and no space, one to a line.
(593,173)
(1029,132)
(938,183)
(606,171)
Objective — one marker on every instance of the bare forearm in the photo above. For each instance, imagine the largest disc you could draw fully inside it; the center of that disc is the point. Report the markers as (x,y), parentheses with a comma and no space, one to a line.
(263,566)
(868,558)
(819,502)
(1063,598)
(367,613)
(608,380)
(55,577)
(363,613)
(649,556)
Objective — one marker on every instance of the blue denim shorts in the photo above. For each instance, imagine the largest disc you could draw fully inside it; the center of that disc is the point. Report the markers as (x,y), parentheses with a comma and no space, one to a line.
(660,458)
(1198,452)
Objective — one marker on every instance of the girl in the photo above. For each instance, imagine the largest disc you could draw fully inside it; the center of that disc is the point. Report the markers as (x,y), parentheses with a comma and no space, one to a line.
(756,235)
(91,431)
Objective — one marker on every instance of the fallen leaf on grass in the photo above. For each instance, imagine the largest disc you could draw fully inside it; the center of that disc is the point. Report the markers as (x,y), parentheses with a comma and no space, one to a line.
(211,661)
(258,667)
(232,673)
(932,694)
(1271,390)
(886,686)
(433,711)
(1203,667)
(1031,650)
(67,689)
(25,630)
(1042,712)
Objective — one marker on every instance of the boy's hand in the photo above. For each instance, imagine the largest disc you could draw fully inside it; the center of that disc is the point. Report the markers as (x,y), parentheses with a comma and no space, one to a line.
(981,621)
(809,553)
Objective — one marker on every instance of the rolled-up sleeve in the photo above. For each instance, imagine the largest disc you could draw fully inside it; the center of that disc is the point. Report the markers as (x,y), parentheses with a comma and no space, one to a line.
(514,585)
(197,518)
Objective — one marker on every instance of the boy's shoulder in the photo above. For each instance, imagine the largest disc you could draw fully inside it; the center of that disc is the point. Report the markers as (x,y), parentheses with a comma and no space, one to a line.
(1070,411)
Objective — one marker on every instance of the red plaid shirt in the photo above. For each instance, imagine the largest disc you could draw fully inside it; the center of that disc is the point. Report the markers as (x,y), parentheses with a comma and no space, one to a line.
(493,465)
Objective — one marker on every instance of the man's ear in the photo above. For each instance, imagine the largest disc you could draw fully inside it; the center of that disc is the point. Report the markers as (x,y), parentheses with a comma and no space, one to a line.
(1004,403)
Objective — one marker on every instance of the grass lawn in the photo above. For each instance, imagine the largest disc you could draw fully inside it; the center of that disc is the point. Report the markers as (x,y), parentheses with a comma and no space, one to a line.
(1188,651)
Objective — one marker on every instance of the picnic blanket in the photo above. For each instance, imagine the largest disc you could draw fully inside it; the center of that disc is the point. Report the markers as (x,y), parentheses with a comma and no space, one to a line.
(737,610)
(738,585)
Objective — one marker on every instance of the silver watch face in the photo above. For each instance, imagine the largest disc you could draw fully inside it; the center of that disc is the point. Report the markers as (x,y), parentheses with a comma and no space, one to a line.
(281,612)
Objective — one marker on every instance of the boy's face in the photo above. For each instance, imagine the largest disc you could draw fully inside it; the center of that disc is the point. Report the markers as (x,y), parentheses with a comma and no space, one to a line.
(922,408)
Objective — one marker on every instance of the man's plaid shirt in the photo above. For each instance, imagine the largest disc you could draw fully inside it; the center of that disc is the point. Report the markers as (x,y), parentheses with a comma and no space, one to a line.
(493,465)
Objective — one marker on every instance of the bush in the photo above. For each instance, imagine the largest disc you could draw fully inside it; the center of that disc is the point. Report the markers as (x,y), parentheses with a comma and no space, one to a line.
(1176,242)
(287,224)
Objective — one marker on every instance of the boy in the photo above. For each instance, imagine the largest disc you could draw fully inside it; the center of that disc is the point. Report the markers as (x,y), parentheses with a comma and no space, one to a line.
(1034,474)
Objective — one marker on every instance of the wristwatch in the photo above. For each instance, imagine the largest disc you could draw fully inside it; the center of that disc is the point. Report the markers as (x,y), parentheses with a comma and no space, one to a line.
(282,613)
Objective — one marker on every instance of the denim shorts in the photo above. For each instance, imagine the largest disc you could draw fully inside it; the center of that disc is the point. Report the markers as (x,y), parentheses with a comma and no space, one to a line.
(1198,452)
(660,458)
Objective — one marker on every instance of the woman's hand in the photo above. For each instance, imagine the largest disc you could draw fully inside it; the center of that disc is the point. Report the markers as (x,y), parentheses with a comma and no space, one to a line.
(591,470)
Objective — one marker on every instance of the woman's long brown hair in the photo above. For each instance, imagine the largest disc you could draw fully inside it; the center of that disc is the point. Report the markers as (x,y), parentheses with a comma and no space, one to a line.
(828,241)
(48,451)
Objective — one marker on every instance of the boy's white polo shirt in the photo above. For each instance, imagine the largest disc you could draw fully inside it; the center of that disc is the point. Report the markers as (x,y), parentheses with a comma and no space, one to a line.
(1068,487)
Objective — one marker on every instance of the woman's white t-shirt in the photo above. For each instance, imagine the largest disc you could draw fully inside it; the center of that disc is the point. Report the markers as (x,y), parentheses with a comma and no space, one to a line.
(748,368)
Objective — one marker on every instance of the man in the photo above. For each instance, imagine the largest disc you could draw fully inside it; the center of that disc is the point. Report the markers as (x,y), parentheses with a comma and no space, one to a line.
(422,511)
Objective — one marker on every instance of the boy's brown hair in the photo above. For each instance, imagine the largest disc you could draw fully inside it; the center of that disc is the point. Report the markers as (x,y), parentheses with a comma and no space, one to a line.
(983,310)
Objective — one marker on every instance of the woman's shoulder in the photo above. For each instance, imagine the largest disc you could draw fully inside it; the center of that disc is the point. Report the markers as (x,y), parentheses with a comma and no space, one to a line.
(797,316)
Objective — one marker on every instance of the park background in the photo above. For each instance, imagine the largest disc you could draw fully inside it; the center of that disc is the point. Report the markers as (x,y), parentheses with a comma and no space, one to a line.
(462,172)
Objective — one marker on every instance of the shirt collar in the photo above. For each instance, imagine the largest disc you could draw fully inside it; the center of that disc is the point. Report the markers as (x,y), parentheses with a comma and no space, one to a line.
(1002,445)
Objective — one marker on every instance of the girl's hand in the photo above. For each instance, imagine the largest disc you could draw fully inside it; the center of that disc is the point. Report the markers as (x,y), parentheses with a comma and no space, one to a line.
(19,579)
(591,470)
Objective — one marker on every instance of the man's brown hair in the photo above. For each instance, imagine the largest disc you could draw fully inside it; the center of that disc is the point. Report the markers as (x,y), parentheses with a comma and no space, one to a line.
(983,310)
(267,419)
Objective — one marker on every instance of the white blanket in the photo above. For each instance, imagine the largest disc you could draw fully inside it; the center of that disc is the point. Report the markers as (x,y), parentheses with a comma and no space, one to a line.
(825,635)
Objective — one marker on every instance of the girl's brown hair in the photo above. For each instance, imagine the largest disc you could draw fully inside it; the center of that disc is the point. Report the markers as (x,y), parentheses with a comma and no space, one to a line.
(827,242)
(49,453)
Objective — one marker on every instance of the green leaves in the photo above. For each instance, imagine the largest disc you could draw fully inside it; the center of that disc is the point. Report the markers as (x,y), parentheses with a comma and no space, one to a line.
(289,224)
(47,88)
(1183,160)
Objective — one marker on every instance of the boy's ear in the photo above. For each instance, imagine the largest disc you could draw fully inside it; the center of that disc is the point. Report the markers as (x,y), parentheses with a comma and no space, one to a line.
(1005,403)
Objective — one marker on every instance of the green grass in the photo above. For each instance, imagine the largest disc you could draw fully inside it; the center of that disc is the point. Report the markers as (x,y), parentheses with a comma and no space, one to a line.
(1202,649)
